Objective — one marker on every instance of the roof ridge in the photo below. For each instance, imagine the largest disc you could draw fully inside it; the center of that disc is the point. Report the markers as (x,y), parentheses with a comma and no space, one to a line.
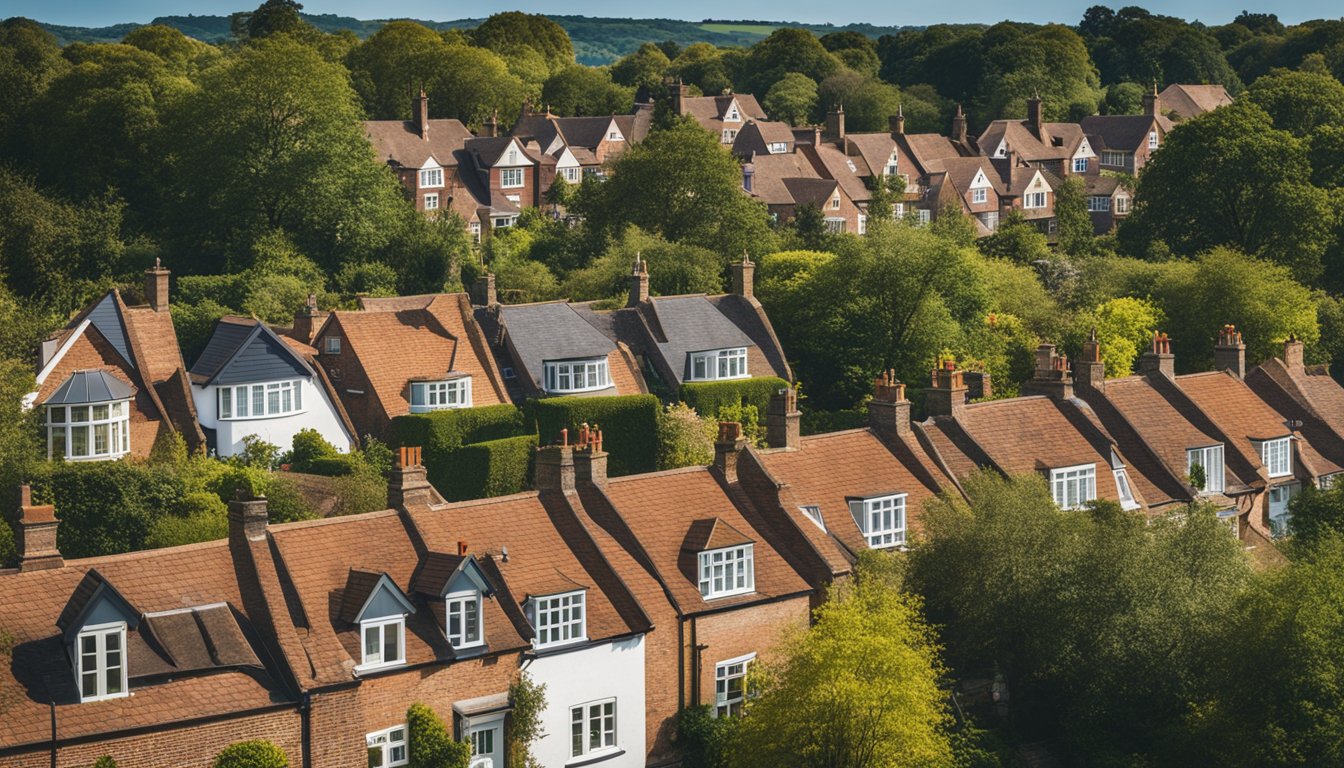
(143,553)
(661,473)
(321,521)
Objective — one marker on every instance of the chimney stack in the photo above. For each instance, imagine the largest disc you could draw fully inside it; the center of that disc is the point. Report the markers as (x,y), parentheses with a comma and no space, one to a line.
(978,385)
(408,485)
(744,277)
(1229,354)
(782,419)
(1152,103)
(421,114)
(1292,353)
(1036,117)
(491,128)
(554,469)
(727,447)
(305,320)
(678,91)
(959,126)
(896,122)
(156,287)
(247,520)
(1052,377)
(748,177)
(639,283)
(835,123)
(590,461)
(483,291)
(889,411)
(946,395)
(37,534)
(1089,372)
(1158,358)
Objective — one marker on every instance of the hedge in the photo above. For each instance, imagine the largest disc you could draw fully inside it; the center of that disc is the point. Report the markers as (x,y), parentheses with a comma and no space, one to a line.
(708,397)
(629,426)
(490,468)
(252,754)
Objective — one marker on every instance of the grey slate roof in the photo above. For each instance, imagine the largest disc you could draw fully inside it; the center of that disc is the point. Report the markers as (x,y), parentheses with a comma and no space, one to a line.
(689,324)
(551,331)
(107,319)
(94,386)
(244,351)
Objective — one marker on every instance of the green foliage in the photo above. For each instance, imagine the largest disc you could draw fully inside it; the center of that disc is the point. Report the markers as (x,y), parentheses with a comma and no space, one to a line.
(105,761)
(1075,224)
(510,30)
(109,506)
(441,432)
(792,99)
(1299,102)
(1124,326)
(310,447)
(284,502)
(629,426)
(786,50)
(172,530)
(674,269)
(578,90)
(527,698)
(644,68)
(252,754)
(489,468)
(684,439)
(859,688)
(705,741)
(1315,515)
(867,101)
(429,743)
(495,434)
(711,397)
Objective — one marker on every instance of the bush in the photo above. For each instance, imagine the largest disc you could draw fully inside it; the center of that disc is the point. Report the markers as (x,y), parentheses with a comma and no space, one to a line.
(173,531)
(308,447)
(491,468)
(439,433)
(710,397)
(361,491)
(629,426)
(330,466)
(284,501)
(703,738)
(252,754)
(684,439)
(430,745)
(105,761)
(107,507)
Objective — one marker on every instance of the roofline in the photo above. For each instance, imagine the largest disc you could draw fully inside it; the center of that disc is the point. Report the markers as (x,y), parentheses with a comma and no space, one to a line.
(259,329)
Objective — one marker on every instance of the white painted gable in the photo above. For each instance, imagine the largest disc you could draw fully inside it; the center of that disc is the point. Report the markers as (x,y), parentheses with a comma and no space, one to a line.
(980,180)
(430,164)
(566,160)
(513,157)
(1002,150)
(1038,183)
(614,132)
(733,114)
(1084,150)
(555,145)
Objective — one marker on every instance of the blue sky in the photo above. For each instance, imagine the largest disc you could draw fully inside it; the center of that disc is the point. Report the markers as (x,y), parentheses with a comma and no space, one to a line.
(885,12)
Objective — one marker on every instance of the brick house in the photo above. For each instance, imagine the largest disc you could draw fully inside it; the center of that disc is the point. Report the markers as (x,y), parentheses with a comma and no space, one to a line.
(1063,149)
(112,381)
(1124,143)
(1185,102)
(723,115)
(1306,395)
(581,145)
(1109,201)
(424,154)
(973,187)
(786,182)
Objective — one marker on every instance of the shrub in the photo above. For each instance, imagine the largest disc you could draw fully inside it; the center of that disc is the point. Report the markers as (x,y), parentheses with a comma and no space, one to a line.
(252,754)
(440,433)
(172,531)
(105,761)
(491,468)
(330,466)
(629,426)
(361,491)
(430,745)
(528,699)
(308,447)
(284,501)
(703,738)
(107,507)
(710,397)
(684,439)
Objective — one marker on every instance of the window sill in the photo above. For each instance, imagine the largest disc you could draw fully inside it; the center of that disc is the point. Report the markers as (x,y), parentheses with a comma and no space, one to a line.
(111,697)
(595,758)
(232,419)
(432,408)
(723,595)
(362,669)
(99,457)
(559,648)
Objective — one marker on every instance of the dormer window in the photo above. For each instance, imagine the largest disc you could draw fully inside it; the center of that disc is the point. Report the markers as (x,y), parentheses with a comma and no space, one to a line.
(778,148)
(1080,165)
(979,195)
(431,177)
(728,571)
(1210,462)
(560,619)
(384,642)
(576,375)
(893,165)
(1123,490)
(729,135)
(437,395)
(1072,487)
(510,178)
(100,662)
(719,364)
(464,619)
(375,603)
(881,519)
(1277,456)
(261,401)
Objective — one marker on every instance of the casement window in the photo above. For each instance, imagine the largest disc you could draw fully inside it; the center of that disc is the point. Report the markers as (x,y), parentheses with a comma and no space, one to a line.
(510,177)
(572,175)
(387,748)
(1279,497)
(576,375)
(432,201)
(778,148)
(1080,165)
(729,136)
(730,685)
(923,215)
(893,165)
(592,728)
(835,203)
(559,619)
(835,225)
(863,224)
(1122,204)
(261,401)
(898,211)
(1210,460)
(384,642)
(431,177)
(881,519)
(1098,203)
(1152,139)
(100,662)
(1123,489)
(331,345)
(1114,158)
(475,229)
(728,571)
(464,619)
(1072,487)
(1033,200)
(980,195)
(83,432)
(437,395)
(719,364)
(1277,456)
(504,222)
(482,741)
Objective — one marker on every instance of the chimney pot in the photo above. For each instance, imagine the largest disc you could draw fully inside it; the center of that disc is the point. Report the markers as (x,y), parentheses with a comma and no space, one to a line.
(1158,358)
(889,411)
(408,485)
(744,277)
(1052,377)
(590,461)
(1229,354)
(835,123)
(554,469)
(959,126)
(1089,372)
(783,427)
(946,395)
(639,283)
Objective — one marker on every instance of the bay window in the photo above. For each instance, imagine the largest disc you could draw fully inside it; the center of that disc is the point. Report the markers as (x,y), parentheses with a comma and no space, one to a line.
(261,401)
(1210,462)
(719,364)
(881,519)
(93,431)
(730,685)
(436,395)
(577,375)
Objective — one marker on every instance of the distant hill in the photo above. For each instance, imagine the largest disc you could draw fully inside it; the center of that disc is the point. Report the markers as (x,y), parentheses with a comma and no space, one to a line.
(596,40)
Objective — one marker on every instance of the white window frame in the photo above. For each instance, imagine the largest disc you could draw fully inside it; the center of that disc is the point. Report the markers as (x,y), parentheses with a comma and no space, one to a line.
(581,720)
(1152,140)
(863,224)
(112,418)
(813,513)
(778,147)
(455,607)
(1326,482)
(560,619)
(432,201)
(440,395)
(923,215)
(1122,204)
(1034,200)
(1123,489)
(431,178)
(727,571)
(719,364)
(476,727)
(881,519)
(1277,456)
(1210,457)
(331,345)
(1085,478)
(572,174)
(594,372)
(378,626)
(835,225)
(1080,165)
(99,633)
(270,396)
(1098,203)
(728,702)
(1115,158)
(979,195)
(1278,524)
(729,136)
(511,178)
(387,742)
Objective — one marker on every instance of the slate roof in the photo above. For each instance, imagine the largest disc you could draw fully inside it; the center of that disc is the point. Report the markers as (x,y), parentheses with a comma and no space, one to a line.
(550,331)
(691,324)
(106,316)
(243,350)
(399,142)
(1122,132)
(95,386)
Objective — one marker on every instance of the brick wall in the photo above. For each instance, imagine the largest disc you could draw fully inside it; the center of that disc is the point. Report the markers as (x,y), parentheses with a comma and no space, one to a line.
(757,629)
(346,372)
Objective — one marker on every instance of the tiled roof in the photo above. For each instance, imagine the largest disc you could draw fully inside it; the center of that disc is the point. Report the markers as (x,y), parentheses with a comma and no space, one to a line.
(687,324)
(399,141)
(1235,408)
(770,171)
(1062,140)
(961,171)
(709,110)
(1192,100)
(928,150)
(847,171)
(1311,396)
(1122,132)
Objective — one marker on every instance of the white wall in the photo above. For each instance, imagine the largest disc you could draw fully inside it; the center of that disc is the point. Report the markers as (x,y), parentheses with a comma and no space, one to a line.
(607,670)
(318,414)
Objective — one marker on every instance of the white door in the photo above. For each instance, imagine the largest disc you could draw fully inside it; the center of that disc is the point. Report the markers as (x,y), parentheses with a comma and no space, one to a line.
(487,743)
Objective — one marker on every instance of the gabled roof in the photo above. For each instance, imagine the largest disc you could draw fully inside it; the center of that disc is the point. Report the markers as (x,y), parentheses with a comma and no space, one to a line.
(928,151)
(1122,132)
(848,171)
(362,588)
(963,171)
(92,590)
(1192,100)
(550,331)
(804,191)
(244,350)
(709,111)
(1058,142)
(106,316)
(94,386)
(1303,395)
(489,149)
(686,324)
(438,570)
(399,142)
(713,533)
(770,171)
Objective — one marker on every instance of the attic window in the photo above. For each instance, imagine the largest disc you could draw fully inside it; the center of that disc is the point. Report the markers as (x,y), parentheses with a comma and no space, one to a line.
(881,519)
(1123,489)
(560,619)
(437,395)
(100,664)
(835,202)
(1072,487)
(1210,461)
(893,166)
(614,136)
(813,513)
(719,364)
(979,195)
(778,148)
(464,619)
(384,642)
(733,115)
(1277,456)
(331,345)
(728,571)
(431,177)
(1152,139)
(576,375)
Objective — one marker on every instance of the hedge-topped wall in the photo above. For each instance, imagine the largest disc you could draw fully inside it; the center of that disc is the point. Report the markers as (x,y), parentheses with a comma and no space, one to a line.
(708,397)
(629,426)
(490,468)
(446,437)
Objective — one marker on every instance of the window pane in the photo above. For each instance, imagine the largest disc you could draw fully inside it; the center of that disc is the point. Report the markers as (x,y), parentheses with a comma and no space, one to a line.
(391,642)
(79,413)
(371,638)
(79,441)
(272,401)
(100,433)
(258,400)
(226,403)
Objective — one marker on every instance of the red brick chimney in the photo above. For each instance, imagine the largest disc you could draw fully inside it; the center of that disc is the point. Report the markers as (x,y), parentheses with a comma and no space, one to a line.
(408,485)
(248,519)
(1089,372)
(590,461)
(1051,377)
(491,126)
(1292,353)
(896,122)
(554,470)
(889,411)
(959,126)
(835,123)
(1158,358)
(156,287)
(744,277)
(639,283)
(420,114)
(727,447)
(782,419)
(483,292)
(37,534)
(1036,117)
(1152,103)
(1229,354)
(946,395)
(306,320)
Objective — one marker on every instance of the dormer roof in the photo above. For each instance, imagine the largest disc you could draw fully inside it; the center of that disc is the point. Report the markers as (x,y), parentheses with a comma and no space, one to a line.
(94,386)
(371,595)
(244,350)
(713,533)
(95,601)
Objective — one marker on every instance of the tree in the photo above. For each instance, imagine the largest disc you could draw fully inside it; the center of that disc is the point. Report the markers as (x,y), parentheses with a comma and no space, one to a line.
(252,754)
(1315,515)
(673,269)
(30,58)
(859,689)
(1075,223)
(1300,102)
(503,31)
(472,83)
(578,90)
(702,65)
(867,102)
(527,698)
(684,439)
(391,66)
(792,99)
(1050,61)
(430,745)
(270,18)
(182,54)
(1124,99)
(1123,326)
(645,68)
(786,50)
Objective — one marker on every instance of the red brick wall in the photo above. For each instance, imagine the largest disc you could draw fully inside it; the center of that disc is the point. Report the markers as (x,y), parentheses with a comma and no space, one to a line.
(731,634)
(346,373)
(526,194)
